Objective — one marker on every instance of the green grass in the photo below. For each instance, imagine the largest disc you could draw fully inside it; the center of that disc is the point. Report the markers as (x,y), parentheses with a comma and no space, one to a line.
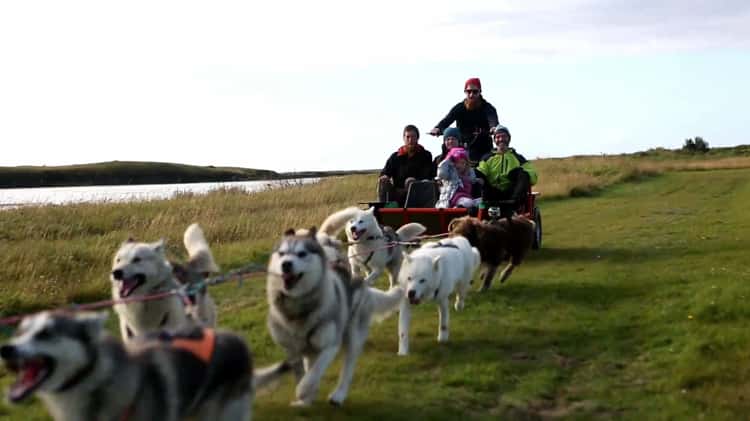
(635,308)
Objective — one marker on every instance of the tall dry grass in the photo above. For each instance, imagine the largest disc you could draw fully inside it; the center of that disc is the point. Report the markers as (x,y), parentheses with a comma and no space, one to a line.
(59,254)
(584,175)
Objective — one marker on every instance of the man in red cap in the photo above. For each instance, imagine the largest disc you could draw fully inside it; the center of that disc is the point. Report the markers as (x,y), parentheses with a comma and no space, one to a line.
(473,116)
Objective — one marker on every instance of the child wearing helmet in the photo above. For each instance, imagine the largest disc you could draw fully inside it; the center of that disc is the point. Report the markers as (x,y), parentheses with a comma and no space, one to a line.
(457,177)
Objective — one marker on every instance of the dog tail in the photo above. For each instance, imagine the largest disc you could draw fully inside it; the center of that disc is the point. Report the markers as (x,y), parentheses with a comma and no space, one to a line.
(337,220)
(385,303)
(267,377)
(410,231)
(200,258)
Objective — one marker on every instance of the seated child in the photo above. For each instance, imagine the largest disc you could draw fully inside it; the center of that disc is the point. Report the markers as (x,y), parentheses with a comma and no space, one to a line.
(456,175)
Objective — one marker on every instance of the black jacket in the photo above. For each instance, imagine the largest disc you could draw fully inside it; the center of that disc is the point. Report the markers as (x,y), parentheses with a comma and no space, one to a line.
(469,122)
(400,167)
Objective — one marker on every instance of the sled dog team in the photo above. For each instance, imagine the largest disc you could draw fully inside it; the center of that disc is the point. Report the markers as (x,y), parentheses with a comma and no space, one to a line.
(172,364)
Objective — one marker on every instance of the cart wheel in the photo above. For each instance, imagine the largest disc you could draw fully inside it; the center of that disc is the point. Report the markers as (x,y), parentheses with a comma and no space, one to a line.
(537,244)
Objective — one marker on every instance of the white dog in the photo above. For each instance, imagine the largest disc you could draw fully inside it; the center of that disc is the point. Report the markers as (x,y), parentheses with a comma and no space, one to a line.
(140,269)
(373,249)
(315,308)
(434,272)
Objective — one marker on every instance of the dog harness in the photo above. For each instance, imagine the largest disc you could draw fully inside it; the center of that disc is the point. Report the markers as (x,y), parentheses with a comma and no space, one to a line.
(201,347)
(389,236)
(443,245)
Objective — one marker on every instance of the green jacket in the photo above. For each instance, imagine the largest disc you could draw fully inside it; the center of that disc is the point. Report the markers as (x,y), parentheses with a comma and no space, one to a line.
(496,166)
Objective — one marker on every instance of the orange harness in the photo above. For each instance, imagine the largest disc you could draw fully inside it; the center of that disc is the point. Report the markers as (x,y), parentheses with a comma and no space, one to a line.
(202,347)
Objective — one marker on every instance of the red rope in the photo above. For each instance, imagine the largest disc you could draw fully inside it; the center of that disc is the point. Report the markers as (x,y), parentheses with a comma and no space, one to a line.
(13,320)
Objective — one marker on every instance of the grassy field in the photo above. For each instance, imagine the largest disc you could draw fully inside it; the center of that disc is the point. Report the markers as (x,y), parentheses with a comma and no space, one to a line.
(635,307)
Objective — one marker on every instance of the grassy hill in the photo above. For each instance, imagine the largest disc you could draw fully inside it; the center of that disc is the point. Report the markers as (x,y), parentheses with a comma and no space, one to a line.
(635,308)
(123,172)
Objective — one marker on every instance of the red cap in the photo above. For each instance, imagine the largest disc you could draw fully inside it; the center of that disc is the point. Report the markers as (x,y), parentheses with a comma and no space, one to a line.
(473,81)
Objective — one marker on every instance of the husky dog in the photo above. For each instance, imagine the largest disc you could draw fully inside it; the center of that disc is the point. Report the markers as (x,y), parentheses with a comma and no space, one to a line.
(315,308)
(327,237)
(81,373)
(507,238)
(140,269)
(371,249)
(433,272)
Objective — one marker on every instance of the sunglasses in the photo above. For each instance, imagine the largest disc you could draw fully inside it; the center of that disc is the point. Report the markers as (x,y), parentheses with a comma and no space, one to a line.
(472,91)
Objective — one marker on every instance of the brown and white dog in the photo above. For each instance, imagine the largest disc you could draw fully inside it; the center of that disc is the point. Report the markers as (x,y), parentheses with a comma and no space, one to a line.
(496,241)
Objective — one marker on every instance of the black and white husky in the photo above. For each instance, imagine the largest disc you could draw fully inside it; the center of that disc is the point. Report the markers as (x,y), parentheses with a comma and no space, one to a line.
(140,269)
(374,249)
(315,307)
(81,373)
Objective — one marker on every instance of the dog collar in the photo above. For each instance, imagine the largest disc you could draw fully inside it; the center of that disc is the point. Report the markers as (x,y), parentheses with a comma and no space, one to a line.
(369,257)
(439,244)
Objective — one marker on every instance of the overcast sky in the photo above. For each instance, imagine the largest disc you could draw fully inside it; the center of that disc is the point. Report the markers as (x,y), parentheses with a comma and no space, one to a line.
(303,85)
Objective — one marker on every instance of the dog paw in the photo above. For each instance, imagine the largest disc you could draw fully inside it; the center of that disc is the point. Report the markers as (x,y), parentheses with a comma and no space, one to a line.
(442,337)
(459,305)
(402,352)
(299,403)
(337,398)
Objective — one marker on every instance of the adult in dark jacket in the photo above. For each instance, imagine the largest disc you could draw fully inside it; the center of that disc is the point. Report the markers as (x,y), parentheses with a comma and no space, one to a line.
(474,117)
(409,163)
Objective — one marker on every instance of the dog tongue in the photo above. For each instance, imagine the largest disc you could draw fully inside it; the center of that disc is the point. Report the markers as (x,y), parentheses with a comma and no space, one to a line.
(128,285)
(290,280)
(27,378)
(356,233)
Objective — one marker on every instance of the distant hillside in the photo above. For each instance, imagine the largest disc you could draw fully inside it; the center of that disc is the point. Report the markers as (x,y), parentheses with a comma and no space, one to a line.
(127,172)
(124,172)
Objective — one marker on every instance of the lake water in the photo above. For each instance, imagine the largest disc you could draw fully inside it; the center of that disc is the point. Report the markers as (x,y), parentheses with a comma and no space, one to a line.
(11,198)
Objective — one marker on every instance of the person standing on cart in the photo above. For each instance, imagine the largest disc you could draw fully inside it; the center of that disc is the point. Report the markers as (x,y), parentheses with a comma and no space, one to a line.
(474,117)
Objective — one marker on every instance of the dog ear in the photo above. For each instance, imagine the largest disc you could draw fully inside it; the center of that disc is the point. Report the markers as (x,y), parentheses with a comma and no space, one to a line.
(92,321)
(371,210)
(158,246)
(312,231)
(289,232)
(130,240)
